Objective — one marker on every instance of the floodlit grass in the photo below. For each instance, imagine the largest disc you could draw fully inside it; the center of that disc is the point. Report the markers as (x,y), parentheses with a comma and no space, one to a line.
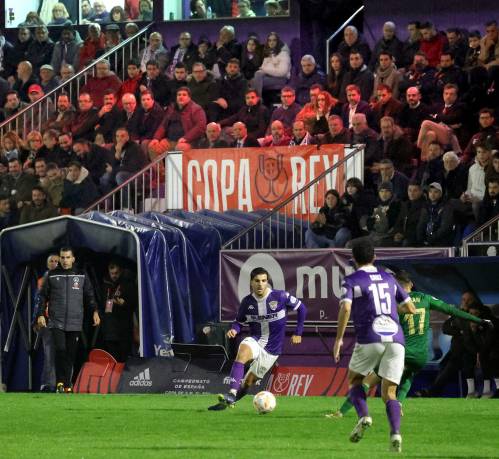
(141,426)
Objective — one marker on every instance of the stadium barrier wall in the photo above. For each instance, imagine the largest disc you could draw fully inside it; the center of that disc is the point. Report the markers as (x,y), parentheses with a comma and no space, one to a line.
(312,275)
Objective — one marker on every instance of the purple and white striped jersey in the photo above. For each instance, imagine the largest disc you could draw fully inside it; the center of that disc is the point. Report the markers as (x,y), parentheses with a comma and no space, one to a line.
(374,295)
(267,317)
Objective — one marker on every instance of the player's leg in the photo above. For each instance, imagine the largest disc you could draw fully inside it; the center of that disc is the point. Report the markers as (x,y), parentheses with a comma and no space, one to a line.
(249,380)
(365,358)
(358,398)
(261,365)
(391,369)
(405,386)
(393,412)
(370,381)
(244,355)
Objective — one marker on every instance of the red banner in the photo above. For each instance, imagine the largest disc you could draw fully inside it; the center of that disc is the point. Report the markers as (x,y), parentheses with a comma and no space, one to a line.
(259,178)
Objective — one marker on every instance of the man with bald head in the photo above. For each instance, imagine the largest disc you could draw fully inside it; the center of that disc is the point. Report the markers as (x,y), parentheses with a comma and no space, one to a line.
(278,137)
(241,137)
(413,113)
(212,138)
(25,78)
(185,52)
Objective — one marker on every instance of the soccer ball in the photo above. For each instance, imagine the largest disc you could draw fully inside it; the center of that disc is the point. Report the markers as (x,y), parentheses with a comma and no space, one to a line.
(264,402)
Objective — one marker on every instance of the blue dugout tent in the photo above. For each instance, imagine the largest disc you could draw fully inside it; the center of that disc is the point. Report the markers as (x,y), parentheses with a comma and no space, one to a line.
(170,257)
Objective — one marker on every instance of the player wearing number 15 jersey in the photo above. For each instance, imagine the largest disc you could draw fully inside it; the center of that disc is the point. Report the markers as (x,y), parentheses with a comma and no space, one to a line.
(415,327)
(374,299)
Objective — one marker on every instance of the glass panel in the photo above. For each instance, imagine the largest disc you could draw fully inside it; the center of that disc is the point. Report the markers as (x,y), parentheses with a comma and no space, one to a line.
(177,10)
(59,13)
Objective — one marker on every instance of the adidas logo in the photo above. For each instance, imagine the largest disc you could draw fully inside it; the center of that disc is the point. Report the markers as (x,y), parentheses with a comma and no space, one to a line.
(251,307)
(143,379)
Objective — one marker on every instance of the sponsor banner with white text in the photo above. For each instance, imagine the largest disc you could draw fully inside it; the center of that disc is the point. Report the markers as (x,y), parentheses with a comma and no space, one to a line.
(258,178)
(175,375)
(313,276)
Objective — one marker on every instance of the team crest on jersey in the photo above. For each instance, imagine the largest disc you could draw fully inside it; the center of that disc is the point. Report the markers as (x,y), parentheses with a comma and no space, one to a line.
(273,305)
(76,283)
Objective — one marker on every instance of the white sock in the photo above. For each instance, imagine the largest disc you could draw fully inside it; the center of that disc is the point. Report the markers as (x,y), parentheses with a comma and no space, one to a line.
(486,386)
(471,385)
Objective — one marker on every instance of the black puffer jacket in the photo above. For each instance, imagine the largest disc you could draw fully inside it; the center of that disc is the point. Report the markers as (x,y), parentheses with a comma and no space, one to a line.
(67,292)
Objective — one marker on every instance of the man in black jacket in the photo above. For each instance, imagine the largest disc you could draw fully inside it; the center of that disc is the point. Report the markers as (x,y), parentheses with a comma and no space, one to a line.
(337,132)
(212,138)
(232,90)
(111,117)
(153,81)
(436,225)
(129,158)
(241,137)
(146,118)
(405,233)
(94,158)
(120,295)
(67,290)
(489,207)
(253,114)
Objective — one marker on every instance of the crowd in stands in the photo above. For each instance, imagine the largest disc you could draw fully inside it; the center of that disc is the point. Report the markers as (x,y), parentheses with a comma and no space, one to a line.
(424,107)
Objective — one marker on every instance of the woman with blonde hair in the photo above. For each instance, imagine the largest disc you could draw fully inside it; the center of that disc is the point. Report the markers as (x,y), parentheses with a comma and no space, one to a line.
(11,146)
(60,15)
(33,143)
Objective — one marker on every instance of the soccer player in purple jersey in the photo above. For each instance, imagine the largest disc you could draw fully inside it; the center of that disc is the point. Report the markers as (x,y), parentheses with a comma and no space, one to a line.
(265,311)
(371,296)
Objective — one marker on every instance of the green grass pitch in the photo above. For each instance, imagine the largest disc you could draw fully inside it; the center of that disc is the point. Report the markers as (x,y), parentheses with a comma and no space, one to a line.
(166,426)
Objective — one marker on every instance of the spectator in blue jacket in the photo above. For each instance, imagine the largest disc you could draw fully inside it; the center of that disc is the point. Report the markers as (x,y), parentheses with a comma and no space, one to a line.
(305,78)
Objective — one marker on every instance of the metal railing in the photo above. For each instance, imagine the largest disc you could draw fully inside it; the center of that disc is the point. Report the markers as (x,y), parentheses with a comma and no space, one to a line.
(338,30)
(284,227)
(35,115)
(144,191)
(488,232)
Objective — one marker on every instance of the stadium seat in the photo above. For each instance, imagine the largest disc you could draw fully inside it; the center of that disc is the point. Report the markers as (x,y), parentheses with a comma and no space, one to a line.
(100,375)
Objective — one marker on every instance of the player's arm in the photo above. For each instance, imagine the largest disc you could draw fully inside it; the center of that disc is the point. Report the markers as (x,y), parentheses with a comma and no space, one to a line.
(406,307)
(343,317)
(300,322)
(301,310)
(236,326)
(442,306)
(404,302)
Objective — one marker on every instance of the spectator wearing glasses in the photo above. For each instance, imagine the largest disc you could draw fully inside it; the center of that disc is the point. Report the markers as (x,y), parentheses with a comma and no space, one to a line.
(288,110)
(86,118)
(185,52)
(155,51)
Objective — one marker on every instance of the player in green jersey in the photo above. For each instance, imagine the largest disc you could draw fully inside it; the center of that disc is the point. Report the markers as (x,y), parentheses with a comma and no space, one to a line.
(416,327)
